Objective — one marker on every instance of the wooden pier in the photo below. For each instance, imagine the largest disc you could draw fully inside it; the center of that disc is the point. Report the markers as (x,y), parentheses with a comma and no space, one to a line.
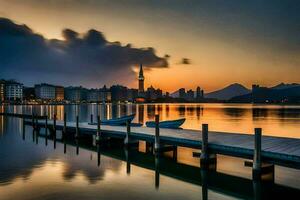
(261,149)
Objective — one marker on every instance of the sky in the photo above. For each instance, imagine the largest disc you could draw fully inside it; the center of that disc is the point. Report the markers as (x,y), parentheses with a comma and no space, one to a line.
(182,43)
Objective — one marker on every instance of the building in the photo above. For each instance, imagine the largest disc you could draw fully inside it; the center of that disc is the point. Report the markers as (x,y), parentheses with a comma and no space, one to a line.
(190,95)
(29,93)
(181,93)
(141,80)
(118,93)
(2,90)
(76,94)
(132,94)
(105,94)
(13,91)
(153,94)
(93,95)
(199,93)
(45,91)
(59,93)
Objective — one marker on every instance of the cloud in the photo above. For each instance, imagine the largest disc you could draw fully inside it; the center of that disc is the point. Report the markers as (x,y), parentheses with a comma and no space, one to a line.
(79,59)
(185,61)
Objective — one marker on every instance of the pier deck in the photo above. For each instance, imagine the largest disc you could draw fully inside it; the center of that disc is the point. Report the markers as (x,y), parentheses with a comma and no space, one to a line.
(275,150)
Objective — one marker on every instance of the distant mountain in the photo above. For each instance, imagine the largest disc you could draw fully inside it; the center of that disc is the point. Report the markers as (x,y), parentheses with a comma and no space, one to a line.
(228,92)
(289,94)
(285,86)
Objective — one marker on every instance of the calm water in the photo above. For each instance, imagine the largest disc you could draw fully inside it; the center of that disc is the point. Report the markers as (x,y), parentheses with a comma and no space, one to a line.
(31,170)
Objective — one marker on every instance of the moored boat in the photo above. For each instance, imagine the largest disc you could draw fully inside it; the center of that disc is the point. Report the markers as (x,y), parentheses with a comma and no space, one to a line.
(121,121)
(167,124)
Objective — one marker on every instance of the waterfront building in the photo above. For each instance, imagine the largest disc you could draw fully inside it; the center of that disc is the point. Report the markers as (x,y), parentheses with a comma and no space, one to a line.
(28,93)
(2,90)
(153,93)
(182,93)
(105,94)
(59,93)
(118,93)
(75,94)
(199,93)
(190,95)
(45,91)
(13,91)
(132,94)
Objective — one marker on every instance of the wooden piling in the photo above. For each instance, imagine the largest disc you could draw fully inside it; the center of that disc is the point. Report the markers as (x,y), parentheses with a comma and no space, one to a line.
(54,131)
(98,155)
(157,171)
(126,141)
(204,154)
(37,126)
(77,126)
(32,122)
(156,140)
(98,134)
(54,125)
(46,130)
(256,170)
(23,128)
(65,125)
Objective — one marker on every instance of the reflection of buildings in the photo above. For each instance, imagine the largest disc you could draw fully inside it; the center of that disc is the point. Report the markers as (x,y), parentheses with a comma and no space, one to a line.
(141,113)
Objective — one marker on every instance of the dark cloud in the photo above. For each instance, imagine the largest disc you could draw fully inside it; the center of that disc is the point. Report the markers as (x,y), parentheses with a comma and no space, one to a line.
(79,59)
(185,61)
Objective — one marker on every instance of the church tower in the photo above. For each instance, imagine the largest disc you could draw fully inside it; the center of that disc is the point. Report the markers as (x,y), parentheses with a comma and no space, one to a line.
(141,79)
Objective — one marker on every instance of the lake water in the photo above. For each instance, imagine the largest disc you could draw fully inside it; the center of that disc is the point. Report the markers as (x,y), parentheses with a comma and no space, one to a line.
(30,169)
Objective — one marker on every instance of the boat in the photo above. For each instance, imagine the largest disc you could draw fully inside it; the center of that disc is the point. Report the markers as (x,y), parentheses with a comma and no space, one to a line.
(121,121)
(167,124)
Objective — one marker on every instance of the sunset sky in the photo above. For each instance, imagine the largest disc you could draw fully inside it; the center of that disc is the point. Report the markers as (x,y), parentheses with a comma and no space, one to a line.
(221,42)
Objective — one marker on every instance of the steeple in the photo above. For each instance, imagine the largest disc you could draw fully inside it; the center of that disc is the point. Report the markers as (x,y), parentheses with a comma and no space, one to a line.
(141,80)
(141,73)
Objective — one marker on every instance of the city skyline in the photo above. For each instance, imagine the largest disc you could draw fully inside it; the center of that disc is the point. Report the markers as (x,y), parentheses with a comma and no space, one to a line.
(243,43)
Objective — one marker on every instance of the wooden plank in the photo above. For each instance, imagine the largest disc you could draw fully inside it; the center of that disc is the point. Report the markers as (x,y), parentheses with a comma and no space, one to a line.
(277,148)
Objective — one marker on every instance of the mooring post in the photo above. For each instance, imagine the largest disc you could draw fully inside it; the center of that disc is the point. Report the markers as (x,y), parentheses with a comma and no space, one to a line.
(256,171)
(92,118)
(46,130)
(77,147)
(126,141)
(32,121)
(23,128)
(65,125)
(98,129)
(98,155)
(157,171)
(54,130)
(127,158)
(54,125)
(156,142)
(204,154)
(36,125)
(65,146)
(77,126)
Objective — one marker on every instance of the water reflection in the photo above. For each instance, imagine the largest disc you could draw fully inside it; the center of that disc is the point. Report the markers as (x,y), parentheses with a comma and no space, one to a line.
(74,164)
(243,118)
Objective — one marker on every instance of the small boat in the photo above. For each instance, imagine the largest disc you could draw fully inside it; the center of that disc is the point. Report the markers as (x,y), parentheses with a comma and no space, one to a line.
(167,124)
(121,121)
